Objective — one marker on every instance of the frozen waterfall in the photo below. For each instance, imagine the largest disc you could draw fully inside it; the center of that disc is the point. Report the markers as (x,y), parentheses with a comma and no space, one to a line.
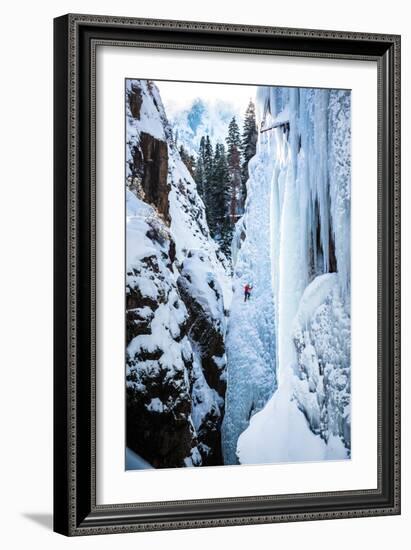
(288,348)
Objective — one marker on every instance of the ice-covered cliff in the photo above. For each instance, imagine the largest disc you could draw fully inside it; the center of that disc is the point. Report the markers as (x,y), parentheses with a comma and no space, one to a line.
(177,290)
(292,340)
(251,332)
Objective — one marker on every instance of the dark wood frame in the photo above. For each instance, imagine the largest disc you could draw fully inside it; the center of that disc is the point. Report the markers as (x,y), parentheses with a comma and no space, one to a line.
(76,38)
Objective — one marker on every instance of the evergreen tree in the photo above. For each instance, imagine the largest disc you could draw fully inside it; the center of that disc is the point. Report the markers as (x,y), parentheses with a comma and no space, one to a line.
(189,160)
(200,172)
(199,177)
(208,158)
(201,149)
(220,186)
(248,144)
(218,177)
(234,165)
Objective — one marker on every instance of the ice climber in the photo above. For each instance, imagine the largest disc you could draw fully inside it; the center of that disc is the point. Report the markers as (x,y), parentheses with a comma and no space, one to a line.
(247,291)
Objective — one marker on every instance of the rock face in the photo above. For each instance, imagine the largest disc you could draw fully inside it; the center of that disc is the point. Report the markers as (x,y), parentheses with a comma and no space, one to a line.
(150,163)
(159,357)
(176,286)
(203,299)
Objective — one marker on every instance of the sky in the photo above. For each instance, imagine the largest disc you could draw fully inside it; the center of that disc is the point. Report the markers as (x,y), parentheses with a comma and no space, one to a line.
(177,96)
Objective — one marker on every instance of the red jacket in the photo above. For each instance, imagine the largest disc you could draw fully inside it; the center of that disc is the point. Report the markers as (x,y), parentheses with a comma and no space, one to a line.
(247,288)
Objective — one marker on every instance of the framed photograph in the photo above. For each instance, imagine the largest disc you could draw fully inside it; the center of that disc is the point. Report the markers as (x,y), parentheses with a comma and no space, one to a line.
(227,275)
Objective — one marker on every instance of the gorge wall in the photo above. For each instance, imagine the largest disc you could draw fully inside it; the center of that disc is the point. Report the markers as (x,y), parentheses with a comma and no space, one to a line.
(176,291)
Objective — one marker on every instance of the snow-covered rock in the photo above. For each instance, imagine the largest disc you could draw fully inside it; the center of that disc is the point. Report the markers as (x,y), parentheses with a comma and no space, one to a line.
(159,356)
(202,294)
(203,298)
(175,387)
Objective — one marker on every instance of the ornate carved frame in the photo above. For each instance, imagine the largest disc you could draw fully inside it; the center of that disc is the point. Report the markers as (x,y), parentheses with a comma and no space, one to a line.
(75,43)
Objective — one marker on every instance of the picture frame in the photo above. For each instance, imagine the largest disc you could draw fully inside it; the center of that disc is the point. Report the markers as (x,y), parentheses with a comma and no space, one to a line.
(76,39)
